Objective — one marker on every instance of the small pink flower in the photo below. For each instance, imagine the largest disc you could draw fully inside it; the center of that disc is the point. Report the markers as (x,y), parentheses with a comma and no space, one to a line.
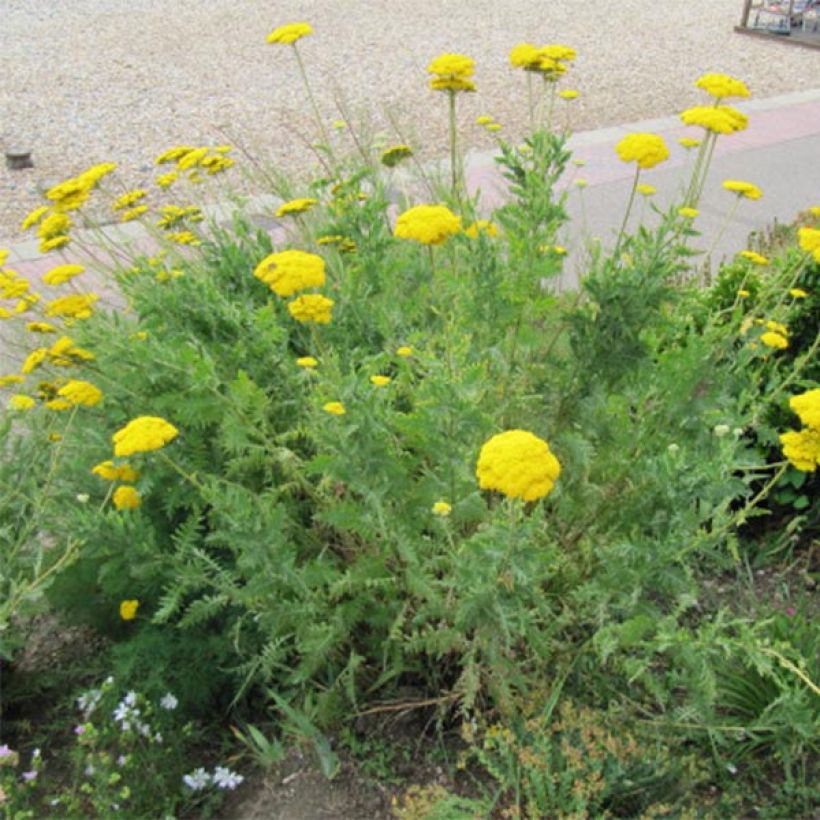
(79,730)
(790,610)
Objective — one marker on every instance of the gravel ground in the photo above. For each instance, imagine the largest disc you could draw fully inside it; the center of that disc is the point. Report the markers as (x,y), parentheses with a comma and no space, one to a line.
(85,81)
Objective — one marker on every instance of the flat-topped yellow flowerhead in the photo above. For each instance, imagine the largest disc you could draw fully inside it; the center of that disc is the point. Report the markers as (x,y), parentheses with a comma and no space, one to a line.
(807,407)
(721,86)
(307,362)
(393,155)
(719,119)
(335,408)
(746,190)
(518,464)
(754,257)
(79,392)
(61,274)
(296,206)
(128,609)
(143,434)
(109,471)
(126,498)
(809,241)
(442,509)
(312,307)
(802,448)
(289,33)
(288,272)
(647,150)
(452,72)
(428,224)
(380,381)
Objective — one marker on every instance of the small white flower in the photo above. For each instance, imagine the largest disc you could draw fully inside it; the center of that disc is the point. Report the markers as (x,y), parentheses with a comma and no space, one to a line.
(732,769)
(673,449)
(83,498)
(89,770)
(226,779)
(737,432)
(121,713)
(144,729)
(197,779)
(109,680)
(122,760)
(35,754)
(130,698)
(158,738)
(169,702)
(721,430)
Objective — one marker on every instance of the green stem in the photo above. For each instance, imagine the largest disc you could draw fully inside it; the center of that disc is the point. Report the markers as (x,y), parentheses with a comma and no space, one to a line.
(313,105)
(628,210)
(722,230)
(454,163)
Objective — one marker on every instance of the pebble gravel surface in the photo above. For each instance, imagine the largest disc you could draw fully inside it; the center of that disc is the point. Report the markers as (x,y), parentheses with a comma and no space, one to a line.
(86,81)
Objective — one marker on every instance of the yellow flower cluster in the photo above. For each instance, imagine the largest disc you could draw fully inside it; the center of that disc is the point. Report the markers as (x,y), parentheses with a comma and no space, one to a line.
(718,119)
(452,72)
(288,272)
(128,609)
(428,224)
(393,155)
(109,471)
(296,206)
(647,150)
(802,447)
(746,190)
(126,498)
(50,220)
(776,335)
(143,434)
(549,61)
(481,226)
(289,33)
(809,241)
(312,307)
(128,199)
(518,464)
(192,159)
(61,274)
(721,86)
(173,216)
(73,306)
(754,257)
(78,392)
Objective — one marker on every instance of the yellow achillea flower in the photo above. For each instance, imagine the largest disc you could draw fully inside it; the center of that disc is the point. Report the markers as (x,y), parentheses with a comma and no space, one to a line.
(296,206)
(70,194)
(647,150)
(754,257)
(428,224)
(798,293)
(802,449)
(133,213)
(557,51)
(380,381)
(393,155)
(173,154)
(81,393)
(33,217)
(126,498)
(109,471)
(62,274)
(312,307)
(173,215)
(335,408)
(719,119)
(74,306)
(493,126)
(580,183)
(569,94)
(308,362)
(524,55)
(809,241)
(129,199)
(289,33)
(481,226)
(688,213)
(183,238)
(12,378)
(34,360)
(807,407)
(12,285)
(744,294)
(774,340)
(442,509)
(64,353)
(95,173)
(59,404)
(142,434)
(128,609)
(342,243)
(167,180)
(21,402)
(747,190)
(452,72)
(191,159)
(484,119)
(288,272)
(689,142)
(404,351)
(646,190)
(55,224)
(518,464)
(776,327)
(721,86)
(53,244)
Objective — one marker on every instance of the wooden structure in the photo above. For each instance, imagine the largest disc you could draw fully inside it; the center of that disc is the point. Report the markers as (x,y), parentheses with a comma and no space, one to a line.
(793,21)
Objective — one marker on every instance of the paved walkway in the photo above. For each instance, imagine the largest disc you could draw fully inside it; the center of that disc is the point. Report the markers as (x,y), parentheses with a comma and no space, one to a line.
(780,152)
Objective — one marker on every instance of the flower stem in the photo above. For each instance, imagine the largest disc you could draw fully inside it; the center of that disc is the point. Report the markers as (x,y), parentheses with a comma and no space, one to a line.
(312,99)
(628,211)
(454,160)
